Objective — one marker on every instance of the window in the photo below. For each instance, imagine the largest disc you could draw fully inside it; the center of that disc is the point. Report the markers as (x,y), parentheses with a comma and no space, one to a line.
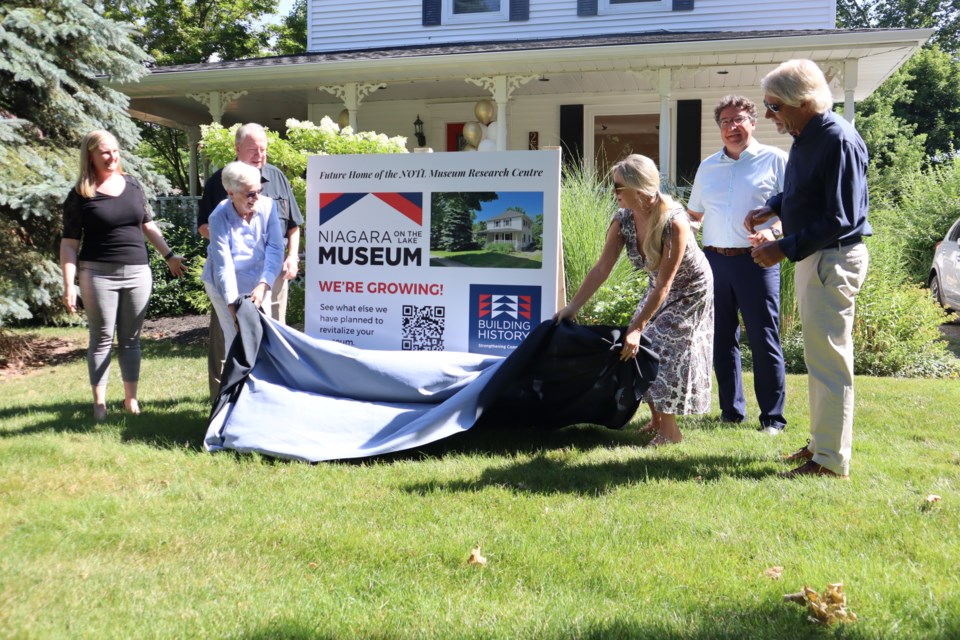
(634,6)
(441,12)
(457,11)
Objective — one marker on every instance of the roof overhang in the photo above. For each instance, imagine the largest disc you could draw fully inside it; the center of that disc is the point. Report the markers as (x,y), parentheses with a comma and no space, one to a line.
(573,65)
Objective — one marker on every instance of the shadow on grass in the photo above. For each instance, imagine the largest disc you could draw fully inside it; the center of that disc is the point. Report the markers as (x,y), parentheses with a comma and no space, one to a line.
(161,424)
(760,620)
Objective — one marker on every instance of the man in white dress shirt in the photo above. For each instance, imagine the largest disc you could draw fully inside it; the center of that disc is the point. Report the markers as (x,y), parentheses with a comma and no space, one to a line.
(738,178)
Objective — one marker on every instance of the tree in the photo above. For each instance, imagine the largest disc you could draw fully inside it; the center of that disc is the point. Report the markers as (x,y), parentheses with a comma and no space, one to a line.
(291,34)
(451,217)
(54,50)
(942,15)
(187,31)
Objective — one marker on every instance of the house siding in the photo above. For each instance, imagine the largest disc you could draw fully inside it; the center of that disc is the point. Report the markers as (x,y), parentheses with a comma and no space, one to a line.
(388,23)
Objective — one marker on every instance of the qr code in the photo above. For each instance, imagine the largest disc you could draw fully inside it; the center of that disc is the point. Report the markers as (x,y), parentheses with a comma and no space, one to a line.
(423,328)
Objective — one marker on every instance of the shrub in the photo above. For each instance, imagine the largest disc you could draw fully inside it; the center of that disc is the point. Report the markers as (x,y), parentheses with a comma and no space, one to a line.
(499,247)
(586,207)
(178,296)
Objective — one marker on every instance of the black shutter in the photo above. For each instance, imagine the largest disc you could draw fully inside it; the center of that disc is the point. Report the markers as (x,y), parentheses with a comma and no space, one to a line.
(571,133)
(683,5)
(587,7)
(688,141)
(431,13)
(519,10)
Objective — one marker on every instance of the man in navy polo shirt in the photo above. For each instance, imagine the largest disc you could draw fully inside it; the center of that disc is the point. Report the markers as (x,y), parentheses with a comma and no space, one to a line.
(738,178)
(823,209)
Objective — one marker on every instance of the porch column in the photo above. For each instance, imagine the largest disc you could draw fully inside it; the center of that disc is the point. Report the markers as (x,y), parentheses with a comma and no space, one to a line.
(851,74)
(664,82)
(193,137)
(352,94)
(216,101)
(501,88)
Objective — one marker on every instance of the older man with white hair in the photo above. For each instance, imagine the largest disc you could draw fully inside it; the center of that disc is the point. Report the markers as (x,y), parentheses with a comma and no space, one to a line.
(250,143)
(823,209)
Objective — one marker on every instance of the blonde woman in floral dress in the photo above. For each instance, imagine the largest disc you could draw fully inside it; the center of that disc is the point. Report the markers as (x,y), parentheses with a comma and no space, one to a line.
(676,312)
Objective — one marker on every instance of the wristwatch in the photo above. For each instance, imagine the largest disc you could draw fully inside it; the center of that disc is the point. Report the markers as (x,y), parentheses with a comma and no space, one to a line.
(777,233)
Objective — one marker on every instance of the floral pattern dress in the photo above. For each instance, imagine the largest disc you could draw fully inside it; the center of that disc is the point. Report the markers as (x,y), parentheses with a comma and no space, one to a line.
(681,330)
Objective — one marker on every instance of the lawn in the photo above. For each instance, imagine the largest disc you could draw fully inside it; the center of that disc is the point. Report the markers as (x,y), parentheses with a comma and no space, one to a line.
(492,259)
(129,529)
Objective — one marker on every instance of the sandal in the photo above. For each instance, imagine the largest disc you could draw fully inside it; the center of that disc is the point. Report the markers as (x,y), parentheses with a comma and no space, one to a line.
(648,428)
(99,412)
(659,440)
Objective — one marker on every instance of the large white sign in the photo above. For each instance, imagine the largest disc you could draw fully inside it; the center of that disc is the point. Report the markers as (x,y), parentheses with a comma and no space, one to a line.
(438,251)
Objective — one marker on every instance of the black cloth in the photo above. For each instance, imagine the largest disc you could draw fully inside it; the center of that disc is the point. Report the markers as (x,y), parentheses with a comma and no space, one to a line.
(568,374)
(824,199)
(110,228)
(274,184)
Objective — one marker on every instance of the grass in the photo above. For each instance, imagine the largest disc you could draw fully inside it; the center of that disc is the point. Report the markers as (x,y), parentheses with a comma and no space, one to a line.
(492,259)
(128,529)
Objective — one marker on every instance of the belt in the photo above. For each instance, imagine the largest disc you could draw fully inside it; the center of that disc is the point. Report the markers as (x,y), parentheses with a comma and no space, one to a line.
(724,251)
(845,242)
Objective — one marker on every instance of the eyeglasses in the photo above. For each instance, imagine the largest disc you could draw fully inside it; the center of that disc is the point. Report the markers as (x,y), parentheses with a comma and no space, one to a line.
(773,107)
(734,122)
(252,195)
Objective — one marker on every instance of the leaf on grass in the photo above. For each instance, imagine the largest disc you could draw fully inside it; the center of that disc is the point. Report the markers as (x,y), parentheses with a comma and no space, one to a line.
(312,565)
(933,498)
(825,608)
(774,573)
(475,557)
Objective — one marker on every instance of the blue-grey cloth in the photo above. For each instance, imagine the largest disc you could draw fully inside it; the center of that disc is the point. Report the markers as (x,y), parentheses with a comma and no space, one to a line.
(288,395)
(824,200)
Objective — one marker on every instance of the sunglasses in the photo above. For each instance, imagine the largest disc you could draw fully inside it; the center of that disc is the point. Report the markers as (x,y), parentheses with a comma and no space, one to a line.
(773,107)
(617,187)
(251,195)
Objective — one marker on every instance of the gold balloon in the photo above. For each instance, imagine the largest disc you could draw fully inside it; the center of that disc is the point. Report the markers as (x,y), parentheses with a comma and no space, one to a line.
(484,111)
(472,133)
(343,120)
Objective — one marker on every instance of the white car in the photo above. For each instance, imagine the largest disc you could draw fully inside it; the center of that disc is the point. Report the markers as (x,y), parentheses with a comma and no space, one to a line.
(945,271)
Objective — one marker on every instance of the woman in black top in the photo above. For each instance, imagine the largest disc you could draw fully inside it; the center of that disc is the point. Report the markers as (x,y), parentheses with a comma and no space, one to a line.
(105,218)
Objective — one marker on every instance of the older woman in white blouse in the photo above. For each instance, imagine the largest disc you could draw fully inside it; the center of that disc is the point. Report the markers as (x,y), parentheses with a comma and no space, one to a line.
(246,246)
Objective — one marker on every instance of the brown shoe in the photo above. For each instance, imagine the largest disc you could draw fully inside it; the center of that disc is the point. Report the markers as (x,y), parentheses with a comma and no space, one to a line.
(811,468)
(800,455)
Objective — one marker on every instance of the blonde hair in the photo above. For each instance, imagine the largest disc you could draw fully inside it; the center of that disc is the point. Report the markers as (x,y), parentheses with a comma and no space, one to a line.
(87,182)
(641,173)
(799,81)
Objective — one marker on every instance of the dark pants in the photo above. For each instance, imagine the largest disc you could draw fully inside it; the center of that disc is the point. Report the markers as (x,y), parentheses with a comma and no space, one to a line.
(739,284)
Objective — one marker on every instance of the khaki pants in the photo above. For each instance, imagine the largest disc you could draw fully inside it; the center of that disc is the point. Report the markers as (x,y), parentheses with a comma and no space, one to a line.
(216,347)
(827,284)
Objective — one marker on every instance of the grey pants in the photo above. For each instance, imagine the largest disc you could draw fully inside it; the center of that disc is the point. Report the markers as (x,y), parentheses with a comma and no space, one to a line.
(115,297)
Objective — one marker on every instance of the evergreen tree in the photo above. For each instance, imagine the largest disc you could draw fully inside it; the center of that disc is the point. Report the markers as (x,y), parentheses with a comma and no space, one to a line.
(54,51)
(457,233)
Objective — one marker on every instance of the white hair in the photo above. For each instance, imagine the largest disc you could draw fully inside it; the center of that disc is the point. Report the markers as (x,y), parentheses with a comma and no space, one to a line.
(799,81)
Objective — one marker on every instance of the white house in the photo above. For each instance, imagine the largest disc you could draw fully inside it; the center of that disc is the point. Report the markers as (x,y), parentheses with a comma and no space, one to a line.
(598,77)
(511,226)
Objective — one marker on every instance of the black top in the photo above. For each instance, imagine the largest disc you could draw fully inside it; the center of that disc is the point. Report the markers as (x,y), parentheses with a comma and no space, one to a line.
(824,200)
(274,184)
(110,227)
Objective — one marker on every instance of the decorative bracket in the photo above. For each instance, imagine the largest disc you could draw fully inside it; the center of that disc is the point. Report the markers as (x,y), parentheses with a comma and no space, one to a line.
(216,101)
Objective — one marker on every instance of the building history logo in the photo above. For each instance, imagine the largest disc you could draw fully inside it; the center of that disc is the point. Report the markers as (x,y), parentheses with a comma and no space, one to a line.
(501,316)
